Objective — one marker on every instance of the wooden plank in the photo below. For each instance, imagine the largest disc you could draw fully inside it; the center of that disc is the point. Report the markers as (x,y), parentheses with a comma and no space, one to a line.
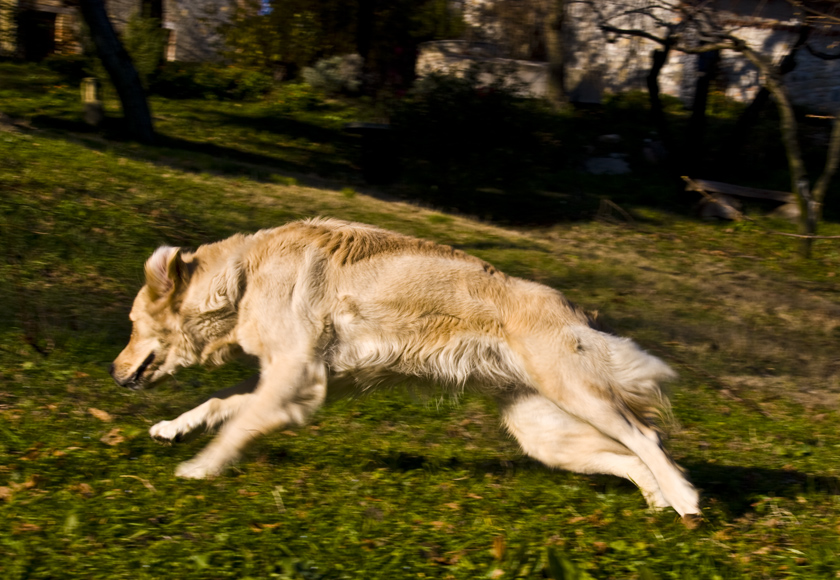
(741,191)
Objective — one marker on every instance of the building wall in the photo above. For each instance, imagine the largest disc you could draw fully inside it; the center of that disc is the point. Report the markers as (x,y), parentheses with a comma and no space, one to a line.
(192,24)
(7,27)
(622,63)
(599,63)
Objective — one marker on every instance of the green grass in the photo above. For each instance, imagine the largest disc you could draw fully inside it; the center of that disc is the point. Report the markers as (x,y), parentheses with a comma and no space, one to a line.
(390,486)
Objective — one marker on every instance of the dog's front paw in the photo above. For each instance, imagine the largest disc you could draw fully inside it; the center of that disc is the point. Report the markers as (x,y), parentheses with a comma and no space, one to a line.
(196,469)
(165,431)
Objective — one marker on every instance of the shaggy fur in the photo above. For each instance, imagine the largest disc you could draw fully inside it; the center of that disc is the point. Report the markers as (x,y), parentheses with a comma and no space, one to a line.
(330,304)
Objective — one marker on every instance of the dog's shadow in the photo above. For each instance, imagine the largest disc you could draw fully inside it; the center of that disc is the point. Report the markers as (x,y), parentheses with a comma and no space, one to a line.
(733,488)
(738,488)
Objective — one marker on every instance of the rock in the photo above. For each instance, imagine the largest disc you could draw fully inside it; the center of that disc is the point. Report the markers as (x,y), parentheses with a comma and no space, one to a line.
(607,166)
(721,207)
(788,211)
(611,139)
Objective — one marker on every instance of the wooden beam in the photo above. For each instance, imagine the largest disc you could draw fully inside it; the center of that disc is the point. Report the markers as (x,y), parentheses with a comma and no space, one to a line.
(739,190)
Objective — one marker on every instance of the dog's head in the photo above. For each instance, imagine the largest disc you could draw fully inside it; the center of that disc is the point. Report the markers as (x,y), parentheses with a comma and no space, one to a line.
(157,345)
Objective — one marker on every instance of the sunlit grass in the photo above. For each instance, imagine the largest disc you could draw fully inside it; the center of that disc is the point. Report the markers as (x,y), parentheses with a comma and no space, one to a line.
(391,486)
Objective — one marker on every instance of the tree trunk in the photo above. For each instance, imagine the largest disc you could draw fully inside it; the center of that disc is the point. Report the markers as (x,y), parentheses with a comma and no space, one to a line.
(657,113)
(364,41)
(809,208)
(706,70)
(138,119)
(555,52)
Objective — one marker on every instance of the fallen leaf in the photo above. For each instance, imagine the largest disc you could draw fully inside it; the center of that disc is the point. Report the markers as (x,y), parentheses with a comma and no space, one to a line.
(5,493)
(28,484)
(25,527)
(84,489)
(113,437)
(145,482)
(101,415)
(33,452)
(499,547)
(257,527)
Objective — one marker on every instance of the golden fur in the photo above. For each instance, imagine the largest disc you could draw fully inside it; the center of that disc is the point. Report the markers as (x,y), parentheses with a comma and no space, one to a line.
(331,305)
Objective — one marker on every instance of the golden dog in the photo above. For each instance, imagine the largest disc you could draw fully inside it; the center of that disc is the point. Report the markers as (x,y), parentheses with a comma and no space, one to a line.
(327,304)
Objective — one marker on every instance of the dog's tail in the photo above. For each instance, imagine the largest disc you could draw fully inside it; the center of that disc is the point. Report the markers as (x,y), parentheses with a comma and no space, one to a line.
(635,378)
(639,377)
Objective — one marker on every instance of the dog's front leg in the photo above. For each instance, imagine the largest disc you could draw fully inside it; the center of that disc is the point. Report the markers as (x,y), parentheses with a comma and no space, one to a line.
(288,393)
(214,411)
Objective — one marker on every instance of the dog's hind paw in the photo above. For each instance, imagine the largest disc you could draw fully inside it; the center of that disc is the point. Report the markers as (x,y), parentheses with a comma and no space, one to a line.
(165,431)
(195,469)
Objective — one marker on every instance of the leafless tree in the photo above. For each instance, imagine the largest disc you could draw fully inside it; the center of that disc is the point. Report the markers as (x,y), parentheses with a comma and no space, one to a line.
(554,52)
(698,27)
(712,35)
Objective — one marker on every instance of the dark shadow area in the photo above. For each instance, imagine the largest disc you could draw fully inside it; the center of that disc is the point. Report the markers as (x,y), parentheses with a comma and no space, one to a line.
(737,487)
(168,151)
(528,171)
(400,461)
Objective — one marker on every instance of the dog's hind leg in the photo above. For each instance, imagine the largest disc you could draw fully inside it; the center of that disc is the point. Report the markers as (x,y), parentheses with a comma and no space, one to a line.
(288,393)
(552,436)
(596,378)
(607,416)
(220,407)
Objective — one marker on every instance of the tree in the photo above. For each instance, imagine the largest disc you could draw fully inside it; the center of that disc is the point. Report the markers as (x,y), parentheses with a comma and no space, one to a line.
(555,55)
(700,29)
(810,196)
(652,21)
(121,71)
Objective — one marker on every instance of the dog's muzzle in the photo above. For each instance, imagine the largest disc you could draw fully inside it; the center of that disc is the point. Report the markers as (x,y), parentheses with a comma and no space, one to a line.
(133,382)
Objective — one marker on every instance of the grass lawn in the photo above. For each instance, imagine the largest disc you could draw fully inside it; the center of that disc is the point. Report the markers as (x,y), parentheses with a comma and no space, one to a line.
(388,486)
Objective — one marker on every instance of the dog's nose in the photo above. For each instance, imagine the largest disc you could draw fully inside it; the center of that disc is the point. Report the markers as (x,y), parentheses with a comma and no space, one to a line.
(112,370)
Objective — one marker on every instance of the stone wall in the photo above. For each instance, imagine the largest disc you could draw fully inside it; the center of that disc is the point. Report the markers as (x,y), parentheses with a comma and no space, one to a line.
(458,56)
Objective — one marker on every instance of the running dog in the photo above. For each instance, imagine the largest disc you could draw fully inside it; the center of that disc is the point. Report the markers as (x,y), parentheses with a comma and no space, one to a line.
(324,304)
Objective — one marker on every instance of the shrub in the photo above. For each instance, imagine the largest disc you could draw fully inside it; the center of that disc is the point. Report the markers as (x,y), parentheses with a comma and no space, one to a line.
(468,141)
(210,81)
(144,41)
(335,75)
(70,66)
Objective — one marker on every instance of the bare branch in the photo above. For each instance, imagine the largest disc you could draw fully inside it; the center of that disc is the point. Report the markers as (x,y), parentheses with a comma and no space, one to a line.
(816,14)
(633,32)
(822,55)
(831,161)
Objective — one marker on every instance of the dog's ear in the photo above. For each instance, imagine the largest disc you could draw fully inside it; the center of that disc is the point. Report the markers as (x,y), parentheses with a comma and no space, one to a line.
(166,271)
(226,287)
